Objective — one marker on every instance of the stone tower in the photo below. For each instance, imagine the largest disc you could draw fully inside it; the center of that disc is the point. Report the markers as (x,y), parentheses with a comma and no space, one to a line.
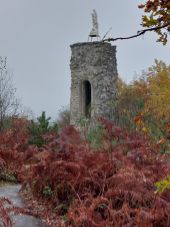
(93,76)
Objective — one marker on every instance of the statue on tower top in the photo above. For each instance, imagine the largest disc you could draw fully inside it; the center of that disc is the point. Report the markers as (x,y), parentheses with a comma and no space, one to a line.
(95,29)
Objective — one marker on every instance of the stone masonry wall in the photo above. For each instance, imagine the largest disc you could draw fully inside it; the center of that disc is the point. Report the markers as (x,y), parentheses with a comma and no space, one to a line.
(94,62)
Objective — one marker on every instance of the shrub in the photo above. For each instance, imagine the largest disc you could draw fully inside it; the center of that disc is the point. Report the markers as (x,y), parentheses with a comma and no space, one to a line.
(40,128)
(146,100)
(103,188)
(163,185)
(95,136)
(63,117)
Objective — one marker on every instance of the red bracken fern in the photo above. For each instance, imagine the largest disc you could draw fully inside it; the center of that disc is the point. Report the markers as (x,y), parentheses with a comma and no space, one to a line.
(96,189)
(114,186)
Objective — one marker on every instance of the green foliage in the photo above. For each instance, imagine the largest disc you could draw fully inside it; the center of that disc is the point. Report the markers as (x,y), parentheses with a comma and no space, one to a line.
(47,191)
(40,128)
(84,125)
(7,176)
(163,185)
(95,136)
(83,122)
(7,123)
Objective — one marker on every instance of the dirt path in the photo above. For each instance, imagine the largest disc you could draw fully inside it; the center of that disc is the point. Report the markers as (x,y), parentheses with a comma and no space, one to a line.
(11,192)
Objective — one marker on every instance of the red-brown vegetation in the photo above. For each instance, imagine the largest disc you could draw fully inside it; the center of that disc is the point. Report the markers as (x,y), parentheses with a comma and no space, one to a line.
(108,187)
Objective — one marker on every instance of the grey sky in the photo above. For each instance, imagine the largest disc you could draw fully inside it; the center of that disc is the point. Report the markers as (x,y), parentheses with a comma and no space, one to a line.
(36,34)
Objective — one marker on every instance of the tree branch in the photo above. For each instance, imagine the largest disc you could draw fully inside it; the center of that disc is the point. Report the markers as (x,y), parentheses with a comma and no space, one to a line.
(139,33)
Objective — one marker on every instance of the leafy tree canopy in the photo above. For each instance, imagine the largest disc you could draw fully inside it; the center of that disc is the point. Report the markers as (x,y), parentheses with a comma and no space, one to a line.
(146,101)
(157,17)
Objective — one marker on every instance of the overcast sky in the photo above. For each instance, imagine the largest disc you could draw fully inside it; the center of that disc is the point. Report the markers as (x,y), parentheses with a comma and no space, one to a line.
(35,36)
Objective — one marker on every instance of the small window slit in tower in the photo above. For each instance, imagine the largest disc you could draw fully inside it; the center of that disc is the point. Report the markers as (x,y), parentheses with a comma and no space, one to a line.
(87,99)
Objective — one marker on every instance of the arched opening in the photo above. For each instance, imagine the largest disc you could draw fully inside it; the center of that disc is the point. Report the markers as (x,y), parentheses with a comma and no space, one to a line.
(87,98)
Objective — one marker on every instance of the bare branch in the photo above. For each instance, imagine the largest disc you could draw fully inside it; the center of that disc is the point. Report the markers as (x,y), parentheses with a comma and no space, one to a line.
(107,33)
(9,104)
(139,33)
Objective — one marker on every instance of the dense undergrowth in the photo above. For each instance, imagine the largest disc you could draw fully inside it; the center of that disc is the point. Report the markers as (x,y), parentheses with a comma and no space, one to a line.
(116,174)
(111,186)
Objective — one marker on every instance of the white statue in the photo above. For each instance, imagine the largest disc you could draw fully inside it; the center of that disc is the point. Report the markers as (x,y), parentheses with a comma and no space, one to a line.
(95,29)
